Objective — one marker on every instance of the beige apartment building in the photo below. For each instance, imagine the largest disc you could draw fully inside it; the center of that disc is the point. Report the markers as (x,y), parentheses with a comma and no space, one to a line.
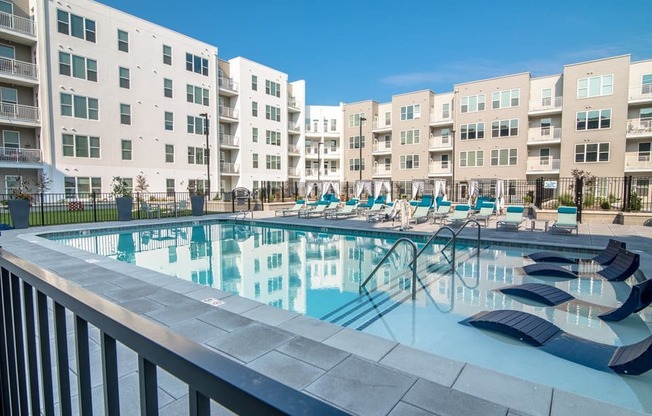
(595,116)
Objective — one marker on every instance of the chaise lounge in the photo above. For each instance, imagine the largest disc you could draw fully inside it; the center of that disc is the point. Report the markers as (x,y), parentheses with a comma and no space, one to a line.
(604,258)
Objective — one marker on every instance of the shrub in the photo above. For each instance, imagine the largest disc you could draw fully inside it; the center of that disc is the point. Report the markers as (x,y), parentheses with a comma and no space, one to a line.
(635,202)
(566,200)
(589,201)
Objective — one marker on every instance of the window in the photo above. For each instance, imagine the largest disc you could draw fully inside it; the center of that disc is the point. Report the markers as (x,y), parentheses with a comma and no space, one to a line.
(254,83)
(388,118)
(473,158)
(79,107)
(592,152)
(472,103)
(595,86)
(82,185)
(472,131)
(546,124)
(123,73)
(80,146)
(594,119)
(546,97)
(505,99)
(355,165)
(644,152)
(123,41)
(167,87)
(254,109)
(254,160)
(503,157)
(410,112)
(126,149)
(167,55)
(254,134)
(273,137)
(169,121)
(196,156)
(197,95)
(196,64)
(410,136)
(272,113)
(77,66)
(444,161)
(76,26)
(333,124)
(354,120)
(409,162)
(355,142)
(544,156)
(325,125)
(445,111)
(169,153)
(169,189)
(504,128)
(125,114)
(445,135)
(11,139)
(272,88)
(273,162)
(196,125)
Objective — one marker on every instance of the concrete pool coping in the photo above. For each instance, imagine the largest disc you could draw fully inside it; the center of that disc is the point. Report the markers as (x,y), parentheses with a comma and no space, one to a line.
(357,372)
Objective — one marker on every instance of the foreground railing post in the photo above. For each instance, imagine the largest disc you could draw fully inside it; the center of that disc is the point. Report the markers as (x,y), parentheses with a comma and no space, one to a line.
(199,404)
(61,341)
(30,338)
(83,367)
(148,387)
(110,375)
(11,395)
(46,360)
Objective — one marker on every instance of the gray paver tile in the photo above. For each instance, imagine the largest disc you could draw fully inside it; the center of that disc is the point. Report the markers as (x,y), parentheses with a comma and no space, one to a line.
(225,320)
(364,345)
(431,367)
(405,409)
(314,353)
(569,404)
(237,304)
(270,315)
(290,371)
(506,390)
(361,387)
(141,306)
(311,328)
(198,331)
(185,309)
(248,343)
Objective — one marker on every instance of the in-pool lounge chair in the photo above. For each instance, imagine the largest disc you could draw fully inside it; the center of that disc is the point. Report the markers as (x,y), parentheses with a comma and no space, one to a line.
(348,210)
(486,211)
(513,218)
(459,216)
(294,210)
(443,211)
(566,220)
(605,257)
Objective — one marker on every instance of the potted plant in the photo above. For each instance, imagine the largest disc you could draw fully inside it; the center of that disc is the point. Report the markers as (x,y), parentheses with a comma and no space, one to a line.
(196,200)
(123,200)
(19,204)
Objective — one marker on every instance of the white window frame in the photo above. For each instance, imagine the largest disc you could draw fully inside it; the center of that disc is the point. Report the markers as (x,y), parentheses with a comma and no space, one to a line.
(599,151)
(604,84)
(506,98)
(583,117)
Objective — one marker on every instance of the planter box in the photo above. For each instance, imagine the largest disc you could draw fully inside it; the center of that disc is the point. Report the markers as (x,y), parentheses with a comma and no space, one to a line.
(19,211)
(197,205)
(125,205)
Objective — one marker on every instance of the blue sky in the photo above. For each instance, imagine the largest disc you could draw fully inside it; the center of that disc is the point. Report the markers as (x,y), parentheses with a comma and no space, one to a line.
(353,50)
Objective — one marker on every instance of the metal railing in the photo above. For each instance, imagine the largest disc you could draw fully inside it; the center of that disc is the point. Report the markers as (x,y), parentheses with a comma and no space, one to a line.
(227,83)
(546,104)
(19,112)
(544,134)
(437,142)
(436,118)
(382,147)
(19,68)
(20,155)
(542,164)
(29,347)
(642,92)
(294,127)
(292,102)
(413,264)
(229,168)
(228,112)
(17,24)
(229,140)
(440,168)
(637,126)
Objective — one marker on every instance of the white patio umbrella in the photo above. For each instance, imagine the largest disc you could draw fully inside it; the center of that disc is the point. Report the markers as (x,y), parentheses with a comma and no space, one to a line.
(360,186)
(440,189)
(417,186)
(473,191)
(500,195)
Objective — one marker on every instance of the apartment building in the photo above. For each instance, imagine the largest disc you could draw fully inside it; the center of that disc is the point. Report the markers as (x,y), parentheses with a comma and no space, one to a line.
(323,144)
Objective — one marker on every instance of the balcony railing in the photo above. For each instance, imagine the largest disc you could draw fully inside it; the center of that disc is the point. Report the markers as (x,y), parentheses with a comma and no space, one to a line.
(293,149)
(294,172)
(18,68)
(546,104)
(542,164)
(228,112)
(384,124)
(294,127)
(638,160)
(639,127)
(227,83)
(440,168)
(444,118)
(20,155)
(230,168)
(437,142)
(229,140)
(312,172)
(383,170)
(17,24)
(643,92)
(382,147)
(19,112)
(544,134)
(292,102)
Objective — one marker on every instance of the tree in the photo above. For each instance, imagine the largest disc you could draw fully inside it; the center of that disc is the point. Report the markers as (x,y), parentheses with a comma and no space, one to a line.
(141,184)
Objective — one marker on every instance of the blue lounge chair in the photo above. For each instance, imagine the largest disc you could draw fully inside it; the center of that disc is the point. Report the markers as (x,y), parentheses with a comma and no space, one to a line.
(604,258)
(420,213)
(513,218)
(486,211)
(566,220)
(459,216)
(294,210)
(443,211)
(348,210)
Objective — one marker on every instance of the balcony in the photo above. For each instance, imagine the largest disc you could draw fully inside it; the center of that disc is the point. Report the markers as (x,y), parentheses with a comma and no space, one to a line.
(379,126)
(544,135)
(639,128)
(549,105)
(542,164)
(293,150)
(19,114)
(382,148)
(227,140)
(330,152)
(441,143)
(440,168)
(312,151)
(641,94)
(19,72)
(10,156)
(383,170)
(19,29)
(293,105)
(441,120)
(294,127)
(294,172)
(638,162)
(228,113)
(230,168)
(227,86)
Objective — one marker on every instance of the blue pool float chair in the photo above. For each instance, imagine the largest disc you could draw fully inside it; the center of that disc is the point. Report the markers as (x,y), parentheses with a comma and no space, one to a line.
(605,257)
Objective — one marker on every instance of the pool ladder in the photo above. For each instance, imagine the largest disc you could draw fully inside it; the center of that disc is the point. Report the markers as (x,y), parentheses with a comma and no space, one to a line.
(244,215)
(416,254)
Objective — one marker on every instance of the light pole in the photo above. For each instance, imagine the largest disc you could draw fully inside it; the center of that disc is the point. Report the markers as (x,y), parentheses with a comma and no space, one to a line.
(319,144)
(207,156)
(360,145)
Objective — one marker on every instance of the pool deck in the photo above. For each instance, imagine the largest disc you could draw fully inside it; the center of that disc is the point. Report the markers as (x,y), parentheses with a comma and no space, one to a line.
(360,373)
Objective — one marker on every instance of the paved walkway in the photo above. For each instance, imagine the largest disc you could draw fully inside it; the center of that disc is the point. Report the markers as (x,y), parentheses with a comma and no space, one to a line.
(358,372)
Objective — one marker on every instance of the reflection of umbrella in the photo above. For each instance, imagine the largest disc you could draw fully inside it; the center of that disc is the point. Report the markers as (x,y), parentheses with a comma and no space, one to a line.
(500,194)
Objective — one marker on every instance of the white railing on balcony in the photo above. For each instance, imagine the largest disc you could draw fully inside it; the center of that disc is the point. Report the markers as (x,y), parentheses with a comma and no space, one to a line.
(438,142)
(638,160)
(229,140)
(383,170)
(384,124)
(294,172)
(227,83)
(20,155)
(294,127)
(542,164)
(228,112)
(544,104)
(440,168)
(441,118)
(292,149)
(18,68)
(312,172)
(642,92)
(17,24)
(330,151)
(292,102)
(19,112)
(639,127)
(382,147)
(230,168)
(544,134)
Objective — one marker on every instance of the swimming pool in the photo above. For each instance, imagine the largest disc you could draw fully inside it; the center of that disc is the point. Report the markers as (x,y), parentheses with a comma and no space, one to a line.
(317,272)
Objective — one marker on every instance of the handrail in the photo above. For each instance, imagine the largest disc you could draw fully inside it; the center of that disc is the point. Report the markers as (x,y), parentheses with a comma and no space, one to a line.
(386,256)
(460,230)
(430,240)
(244,214)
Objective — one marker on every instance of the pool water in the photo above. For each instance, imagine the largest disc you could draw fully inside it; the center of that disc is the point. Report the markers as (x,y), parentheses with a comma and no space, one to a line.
(318,274)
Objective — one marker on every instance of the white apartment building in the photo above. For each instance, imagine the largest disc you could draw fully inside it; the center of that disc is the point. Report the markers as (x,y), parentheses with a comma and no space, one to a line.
(323,144)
